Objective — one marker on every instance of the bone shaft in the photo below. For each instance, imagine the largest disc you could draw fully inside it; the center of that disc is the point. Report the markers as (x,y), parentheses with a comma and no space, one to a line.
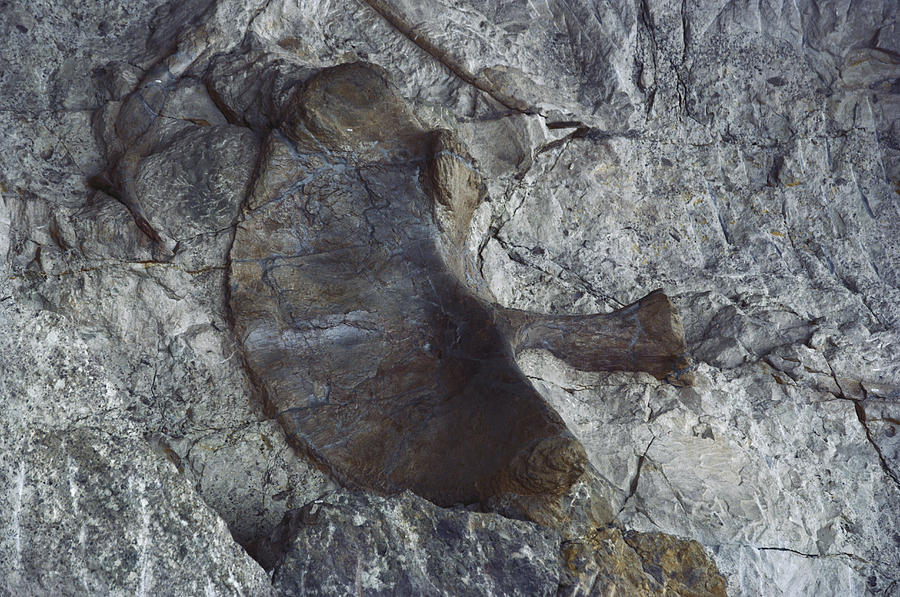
(644,336)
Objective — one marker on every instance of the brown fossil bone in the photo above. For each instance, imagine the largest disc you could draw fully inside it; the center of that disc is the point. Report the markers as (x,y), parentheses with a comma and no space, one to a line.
(646,335)
(368,333)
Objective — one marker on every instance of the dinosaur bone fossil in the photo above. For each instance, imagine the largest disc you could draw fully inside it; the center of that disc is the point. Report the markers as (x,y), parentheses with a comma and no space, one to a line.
(362,321)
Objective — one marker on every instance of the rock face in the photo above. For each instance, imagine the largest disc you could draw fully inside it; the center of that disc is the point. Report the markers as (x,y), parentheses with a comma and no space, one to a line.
(122,520)
(356,543)
(550,161)
(606,562)
(89,506)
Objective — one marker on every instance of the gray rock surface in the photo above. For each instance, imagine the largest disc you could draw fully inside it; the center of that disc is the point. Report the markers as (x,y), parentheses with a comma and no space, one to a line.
(81,280)
(743,156)
(90,513)
(360,544)
(89,508)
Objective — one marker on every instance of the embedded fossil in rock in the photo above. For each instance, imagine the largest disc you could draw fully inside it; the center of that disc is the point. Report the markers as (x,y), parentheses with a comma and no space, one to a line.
(370,337)
(363,321)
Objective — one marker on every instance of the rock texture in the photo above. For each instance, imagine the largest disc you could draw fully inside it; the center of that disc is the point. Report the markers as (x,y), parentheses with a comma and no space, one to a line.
(89,507)
(606,562)
(355,543)
(88,512)
(743,157)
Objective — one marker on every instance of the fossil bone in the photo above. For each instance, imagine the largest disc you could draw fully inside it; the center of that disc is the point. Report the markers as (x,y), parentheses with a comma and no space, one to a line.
(369,335)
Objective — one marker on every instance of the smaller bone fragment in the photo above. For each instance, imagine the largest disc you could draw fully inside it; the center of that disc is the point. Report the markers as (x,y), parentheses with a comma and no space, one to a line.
(646,335)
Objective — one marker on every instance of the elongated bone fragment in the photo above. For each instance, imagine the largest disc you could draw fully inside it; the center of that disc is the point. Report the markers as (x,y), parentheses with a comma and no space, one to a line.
(646,335)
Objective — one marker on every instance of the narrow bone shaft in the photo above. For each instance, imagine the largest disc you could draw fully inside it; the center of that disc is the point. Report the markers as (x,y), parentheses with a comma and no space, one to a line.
(645,336)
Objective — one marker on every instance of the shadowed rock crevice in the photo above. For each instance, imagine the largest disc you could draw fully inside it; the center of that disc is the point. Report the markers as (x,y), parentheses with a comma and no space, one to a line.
(377,346)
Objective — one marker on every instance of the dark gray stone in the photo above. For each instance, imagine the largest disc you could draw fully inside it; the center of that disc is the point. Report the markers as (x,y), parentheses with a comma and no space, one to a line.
(349,543)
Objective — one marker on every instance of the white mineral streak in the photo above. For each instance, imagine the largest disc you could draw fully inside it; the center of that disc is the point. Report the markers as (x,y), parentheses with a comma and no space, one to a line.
(145,582)
(16,526)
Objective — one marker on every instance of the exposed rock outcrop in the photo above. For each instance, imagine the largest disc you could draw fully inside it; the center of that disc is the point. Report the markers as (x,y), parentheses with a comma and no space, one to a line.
(356,543)
(567,158)
(607,562)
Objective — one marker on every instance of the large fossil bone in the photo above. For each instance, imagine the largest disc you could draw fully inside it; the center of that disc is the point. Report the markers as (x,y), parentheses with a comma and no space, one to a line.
(369,335)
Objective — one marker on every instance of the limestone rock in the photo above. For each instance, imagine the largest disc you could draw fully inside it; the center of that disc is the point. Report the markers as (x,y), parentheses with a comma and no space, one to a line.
(74,431)
(355,543)
(88,512)
(743,157)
